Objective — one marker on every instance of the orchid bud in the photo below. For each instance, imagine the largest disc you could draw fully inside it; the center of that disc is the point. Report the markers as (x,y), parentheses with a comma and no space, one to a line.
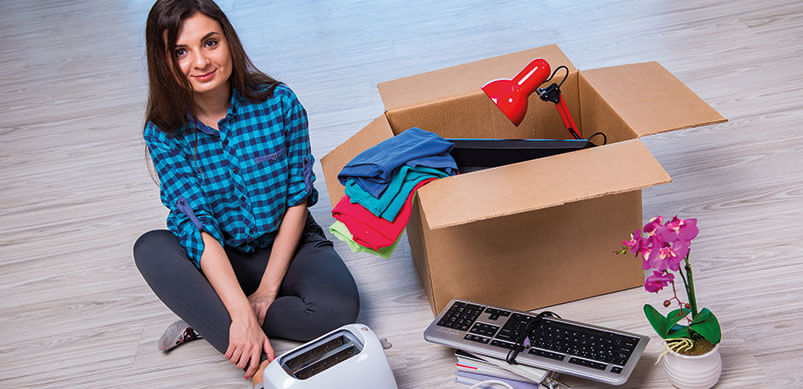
(667,303)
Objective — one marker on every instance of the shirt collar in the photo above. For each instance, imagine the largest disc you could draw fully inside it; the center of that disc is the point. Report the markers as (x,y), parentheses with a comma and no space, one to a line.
(236,101)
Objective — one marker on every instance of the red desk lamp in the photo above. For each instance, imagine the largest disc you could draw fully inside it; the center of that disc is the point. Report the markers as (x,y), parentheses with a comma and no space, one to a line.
(511,95)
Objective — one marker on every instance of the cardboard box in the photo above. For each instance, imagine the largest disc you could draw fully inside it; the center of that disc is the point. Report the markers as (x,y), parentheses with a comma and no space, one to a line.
(539,232)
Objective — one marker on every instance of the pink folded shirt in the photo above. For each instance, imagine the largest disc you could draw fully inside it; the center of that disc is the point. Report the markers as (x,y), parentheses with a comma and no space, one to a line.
(369,230)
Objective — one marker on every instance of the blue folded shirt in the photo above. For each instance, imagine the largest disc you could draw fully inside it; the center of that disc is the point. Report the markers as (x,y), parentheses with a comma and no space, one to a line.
(373,169)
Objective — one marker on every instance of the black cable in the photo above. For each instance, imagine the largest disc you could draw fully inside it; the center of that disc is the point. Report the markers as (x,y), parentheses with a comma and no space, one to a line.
(551,93)
(528,329)
(556,71)
(604,137)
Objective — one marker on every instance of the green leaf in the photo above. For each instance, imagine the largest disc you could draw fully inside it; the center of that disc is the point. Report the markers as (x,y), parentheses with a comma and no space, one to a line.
(657,320)
(675,316)
(702,316)
(678,331)
(707,325)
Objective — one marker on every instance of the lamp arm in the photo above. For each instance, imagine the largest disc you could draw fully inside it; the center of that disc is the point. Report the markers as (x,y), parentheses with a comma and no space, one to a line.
(568,120)
(552,94)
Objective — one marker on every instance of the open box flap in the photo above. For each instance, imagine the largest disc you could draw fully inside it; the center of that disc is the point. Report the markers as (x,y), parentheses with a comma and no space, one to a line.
(462,79)
(650,99)
(370,136)
(542,183)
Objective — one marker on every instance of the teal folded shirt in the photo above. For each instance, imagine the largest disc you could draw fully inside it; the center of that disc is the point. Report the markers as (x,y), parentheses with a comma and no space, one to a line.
(388,205)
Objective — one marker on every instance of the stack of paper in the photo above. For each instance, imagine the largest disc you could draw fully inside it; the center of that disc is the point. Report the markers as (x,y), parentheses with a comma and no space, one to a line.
(473,368)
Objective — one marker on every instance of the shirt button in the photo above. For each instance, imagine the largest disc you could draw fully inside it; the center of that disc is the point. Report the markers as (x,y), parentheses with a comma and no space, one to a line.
(235,170)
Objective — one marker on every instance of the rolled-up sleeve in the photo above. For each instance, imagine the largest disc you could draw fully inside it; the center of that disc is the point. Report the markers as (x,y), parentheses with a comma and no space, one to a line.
(300,160)
(180,192)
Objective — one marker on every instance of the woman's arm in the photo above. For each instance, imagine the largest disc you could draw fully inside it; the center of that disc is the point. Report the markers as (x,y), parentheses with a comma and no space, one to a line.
(300,194)
(180,191)
(284,245)
(246,338)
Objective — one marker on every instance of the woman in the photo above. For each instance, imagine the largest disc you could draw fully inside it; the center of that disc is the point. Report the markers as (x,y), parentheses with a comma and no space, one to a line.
(243,259)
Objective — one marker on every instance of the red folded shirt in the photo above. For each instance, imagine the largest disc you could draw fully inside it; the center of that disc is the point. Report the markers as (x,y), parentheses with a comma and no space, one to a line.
(371,231)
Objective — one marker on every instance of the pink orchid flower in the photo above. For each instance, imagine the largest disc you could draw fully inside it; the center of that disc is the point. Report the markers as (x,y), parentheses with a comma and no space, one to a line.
(657,281)
(688,229)
(635,242)
(681,248)
(653,225)
(662,246)
(684,229)
(667,233)
(671,258)
(655,257)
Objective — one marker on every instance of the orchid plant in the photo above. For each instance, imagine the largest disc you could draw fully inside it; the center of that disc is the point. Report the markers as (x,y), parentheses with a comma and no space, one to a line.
(664,248)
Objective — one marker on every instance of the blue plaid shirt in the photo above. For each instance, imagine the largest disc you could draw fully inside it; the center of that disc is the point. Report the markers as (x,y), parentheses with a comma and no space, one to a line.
(235,183)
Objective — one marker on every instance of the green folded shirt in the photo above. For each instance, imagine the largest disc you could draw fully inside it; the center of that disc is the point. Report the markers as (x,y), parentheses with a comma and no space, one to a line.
(341,231)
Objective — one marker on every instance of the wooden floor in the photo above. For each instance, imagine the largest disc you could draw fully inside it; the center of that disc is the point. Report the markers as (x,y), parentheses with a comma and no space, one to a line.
(75,191)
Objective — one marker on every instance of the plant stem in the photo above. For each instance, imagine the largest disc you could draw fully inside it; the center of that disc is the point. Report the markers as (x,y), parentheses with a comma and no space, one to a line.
(690,287)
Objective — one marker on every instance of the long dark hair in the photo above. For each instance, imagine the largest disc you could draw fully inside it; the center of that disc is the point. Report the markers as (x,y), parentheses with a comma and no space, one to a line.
(170,96)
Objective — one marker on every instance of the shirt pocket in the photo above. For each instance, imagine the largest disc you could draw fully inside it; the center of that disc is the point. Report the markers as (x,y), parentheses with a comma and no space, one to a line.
(266,175)
(270,156)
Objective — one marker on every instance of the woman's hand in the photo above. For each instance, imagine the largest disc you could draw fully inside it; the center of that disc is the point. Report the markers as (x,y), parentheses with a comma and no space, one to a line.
(260,302)
(246,343)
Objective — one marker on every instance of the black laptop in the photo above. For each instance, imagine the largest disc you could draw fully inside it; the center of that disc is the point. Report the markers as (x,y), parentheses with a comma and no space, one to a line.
(477,154)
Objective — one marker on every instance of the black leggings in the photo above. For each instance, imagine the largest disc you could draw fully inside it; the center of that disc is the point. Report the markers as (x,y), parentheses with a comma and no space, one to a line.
(317,295)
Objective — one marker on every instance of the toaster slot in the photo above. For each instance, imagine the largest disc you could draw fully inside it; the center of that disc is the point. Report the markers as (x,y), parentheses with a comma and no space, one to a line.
(321,355)
(323,364)
(313,355)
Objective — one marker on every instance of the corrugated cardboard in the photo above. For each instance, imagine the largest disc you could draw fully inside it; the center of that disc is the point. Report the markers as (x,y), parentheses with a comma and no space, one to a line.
(368,137)
(537,184)
(650,99)
(462,79)
(539,232)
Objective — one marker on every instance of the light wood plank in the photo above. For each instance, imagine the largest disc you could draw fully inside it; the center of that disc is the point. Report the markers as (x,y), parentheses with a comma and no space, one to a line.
(75,191)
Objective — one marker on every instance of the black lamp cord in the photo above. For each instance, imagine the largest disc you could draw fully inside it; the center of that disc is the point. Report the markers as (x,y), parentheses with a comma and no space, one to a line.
(528,333)
(551,93)
(556,71)
(604,137)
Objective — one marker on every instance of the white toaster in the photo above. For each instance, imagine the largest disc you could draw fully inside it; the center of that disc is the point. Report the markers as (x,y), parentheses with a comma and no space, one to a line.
(348,357)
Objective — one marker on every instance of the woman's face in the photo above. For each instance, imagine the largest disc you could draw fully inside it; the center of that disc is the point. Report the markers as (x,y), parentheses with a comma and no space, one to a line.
(203,54)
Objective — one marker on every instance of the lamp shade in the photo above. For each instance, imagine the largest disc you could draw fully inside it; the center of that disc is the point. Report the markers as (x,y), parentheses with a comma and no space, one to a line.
(511,95)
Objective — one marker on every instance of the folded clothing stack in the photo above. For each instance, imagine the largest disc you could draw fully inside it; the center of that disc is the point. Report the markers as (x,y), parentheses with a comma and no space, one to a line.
(380,186)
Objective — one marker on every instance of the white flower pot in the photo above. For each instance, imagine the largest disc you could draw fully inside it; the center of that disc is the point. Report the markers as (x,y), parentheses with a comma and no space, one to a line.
(693,371)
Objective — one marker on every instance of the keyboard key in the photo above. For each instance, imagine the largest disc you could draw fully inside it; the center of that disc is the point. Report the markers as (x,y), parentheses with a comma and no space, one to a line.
(484,329)
(506,334)
(583,362)
(506,345)
(546,354)
(496,312)
(460,316)
(616,369)
(476,338)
